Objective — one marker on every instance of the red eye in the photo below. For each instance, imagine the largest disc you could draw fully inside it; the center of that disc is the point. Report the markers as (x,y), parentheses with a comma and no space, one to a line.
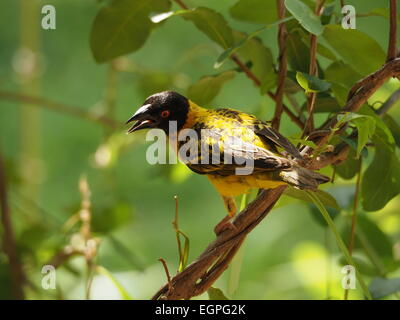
(165,114)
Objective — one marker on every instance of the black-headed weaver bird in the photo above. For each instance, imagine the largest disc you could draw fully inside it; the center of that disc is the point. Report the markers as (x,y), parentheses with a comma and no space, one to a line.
(275,159)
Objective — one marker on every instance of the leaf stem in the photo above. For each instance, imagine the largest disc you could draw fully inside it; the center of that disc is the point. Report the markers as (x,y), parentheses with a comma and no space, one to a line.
(339,241)
(354,216)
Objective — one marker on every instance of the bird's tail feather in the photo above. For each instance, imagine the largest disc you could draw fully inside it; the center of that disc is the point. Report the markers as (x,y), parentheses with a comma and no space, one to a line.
(302,178)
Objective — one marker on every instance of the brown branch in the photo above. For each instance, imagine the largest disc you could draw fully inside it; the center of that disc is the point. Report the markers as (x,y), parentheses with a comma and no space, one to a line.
(313,71)
(164,263)
(9,245)
(359,95)
(392,48)
(59,107)
(246,70)
(181,4)
(282,34)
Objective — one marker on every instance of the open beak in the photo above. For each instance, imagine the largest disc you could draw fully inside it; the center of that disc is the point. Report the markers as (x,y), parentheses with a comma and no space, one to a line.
(143,119)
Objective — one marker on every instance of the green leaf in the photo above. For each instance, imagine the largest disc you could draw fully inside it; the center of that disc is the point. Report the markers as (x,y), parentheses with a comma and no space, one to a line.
(381,180)
(298,53)
(382,130)
(262,62)
(356,48)
(376,242)
(305,16)
(258,11)
(122,27)
(109,218)
(326,104)
(393,127)
(208,87)
(348,169)
(122,291)
(228,53)
(326,198)
(211,23)
(216,294)
(342,76)
(366,128)
(365,125)
(381,287)
(339,240)
(311,83)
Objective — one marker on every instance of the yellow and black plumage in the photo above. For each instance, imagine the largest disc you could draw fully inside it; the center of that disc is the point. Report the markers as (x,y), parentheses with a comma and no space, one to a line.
(274,158)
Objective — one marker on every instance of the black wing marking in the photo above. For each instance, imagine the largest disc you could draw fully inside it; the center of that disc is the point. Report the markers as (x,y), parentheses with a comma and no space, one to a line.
(265,131)
(232,156)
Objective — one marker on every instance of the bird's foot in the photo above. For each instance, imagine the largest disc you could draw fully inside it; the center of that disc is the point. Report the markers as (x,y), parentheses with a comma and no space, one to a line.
(224,224)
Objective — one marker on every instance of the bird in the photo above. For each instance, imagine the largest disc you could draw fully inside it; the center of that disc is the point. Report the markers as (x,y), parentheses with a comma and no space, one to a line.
(237,138)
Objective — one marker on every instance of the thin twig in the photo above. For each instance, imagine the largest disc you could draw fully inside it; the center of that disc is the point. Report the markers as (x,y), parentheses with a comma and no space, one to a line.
(290,114)
(359,94)
(59,107)
(246,70)
(392,48)
(164,263)
(9,245)
(389,103)
(181,4)
(282,34)
(313,71)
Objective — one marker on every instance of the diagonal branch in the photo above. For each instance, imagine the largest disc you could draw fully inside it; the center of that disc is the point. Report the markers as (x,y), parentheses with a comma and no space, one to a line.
(59,107)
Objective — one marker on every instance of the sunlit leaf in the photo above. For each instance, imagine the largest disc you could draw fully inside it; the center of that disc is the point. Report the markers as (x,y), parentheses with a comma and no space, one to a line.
(311,83)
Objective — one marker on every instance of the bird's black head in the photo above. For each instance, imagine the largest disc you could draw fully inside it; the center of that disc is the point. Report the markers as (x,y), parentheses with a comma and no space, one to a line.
(159,109)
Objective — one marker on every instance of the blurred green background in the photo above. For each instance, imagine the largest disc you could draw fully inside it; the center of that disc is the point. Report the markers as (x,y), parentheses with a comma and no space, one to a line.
(288,256)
